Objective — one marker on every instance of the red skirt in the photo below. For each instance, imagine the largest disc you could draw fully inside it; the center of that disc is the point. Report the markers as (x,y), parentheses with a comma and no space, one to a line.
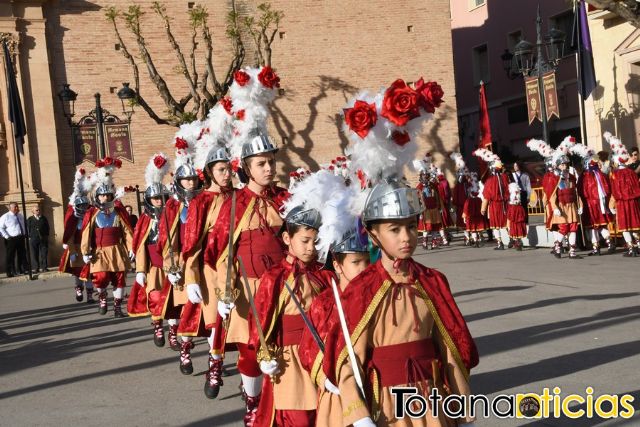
(497,214)
(517,221)
(628,215)
(593,216)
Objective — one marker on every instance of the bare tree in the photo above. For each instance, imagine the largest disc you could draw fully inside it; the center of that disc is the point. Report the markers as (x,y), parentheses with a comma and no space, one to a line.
(628,10)
(205,87)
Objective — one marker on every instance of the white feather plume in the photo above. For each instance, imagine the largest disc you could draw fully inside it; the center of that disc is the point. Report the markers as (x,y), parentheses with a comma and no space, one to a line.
(582,151)
(459,160)
(566,144)
(81,185)
(540,147)
(152,173)
(486,155)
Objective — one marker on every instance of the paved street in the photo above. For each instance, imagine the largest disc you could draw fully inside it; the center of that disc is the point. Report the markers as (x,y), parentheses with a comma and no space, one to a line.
(538,322)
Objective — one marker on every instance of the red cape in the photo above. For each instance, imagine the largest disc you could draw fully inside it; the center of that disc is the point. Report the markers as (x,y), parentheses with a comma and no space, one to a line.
(624,184)
(70,224)
(140,231)
(358,297)
(168,224)
(196,217)
(491,189)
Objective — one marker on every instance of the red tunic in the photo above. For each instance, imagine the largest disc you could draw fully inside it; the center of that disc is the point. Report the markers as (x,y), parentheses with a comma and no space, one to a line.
(472,212)
(496,191)
(593,214)
(459,199)
(626,193)
(72,234)
(517,221)
(445,195)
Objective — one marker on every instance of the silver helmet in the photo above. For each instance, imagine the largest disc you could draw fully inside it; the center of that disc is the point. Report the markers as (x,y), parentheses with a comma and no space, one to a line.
(157,189)
(307,217)
(80,206)
(353,241)
(186,171)
(559,160)
(391,199)
(218,153)
(259,144)
(105,189)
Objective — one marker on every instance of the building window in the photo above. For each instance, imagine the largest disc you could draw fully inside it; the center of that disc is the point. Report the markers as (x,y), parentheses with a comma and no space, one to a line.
(564,22)
(480,64)
(476,3)
(513,39)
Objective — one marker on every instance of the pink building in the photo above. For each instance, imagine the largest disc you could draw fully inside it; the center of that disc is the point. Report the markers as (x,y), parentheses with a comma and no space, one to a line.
(481,31)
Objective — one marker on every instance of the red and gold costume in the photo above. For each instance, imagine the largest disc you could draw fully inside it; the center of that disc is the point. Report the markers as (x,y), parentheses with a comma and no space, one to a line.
(625,191)
(549,183)
(444,191)
(402,333)
(496,196)
(109,243)
(293,395)
(143,297)
(72,237)
(472,215)
(459,200)
(431,218)
(516,221)
(595,191)
(565,198)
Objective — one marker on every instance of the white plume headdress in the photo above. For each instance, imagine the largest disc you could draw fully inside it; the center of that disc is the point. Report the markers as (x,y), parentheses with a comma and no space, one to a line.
(619,153)
(514,193)
(81,186)
(156,169)
(540,147)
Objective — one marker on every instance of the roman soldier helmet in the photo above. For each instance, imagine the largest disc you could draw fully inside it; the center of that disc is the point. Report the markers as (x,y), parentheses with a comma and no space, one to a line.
(79,199)
(561,154)
(303,216)
(157,168)
(184,144)
(355,240)
(260,143)
(391,199)
(102,181)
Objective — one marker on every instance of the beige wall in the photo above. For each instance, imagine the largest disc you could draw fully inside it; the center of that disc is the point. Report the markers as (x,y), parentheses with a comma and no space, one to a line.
(328,52)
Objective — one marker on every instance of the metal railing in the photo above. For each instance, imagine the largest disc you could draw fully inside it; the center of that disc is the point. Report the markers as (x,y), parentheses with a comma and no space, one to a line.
(536,206)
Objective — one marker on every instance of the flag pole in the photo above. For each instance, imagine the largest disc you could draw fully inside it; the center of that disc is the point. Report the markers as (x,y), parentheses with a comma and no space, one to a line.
(17,148)
(577,34)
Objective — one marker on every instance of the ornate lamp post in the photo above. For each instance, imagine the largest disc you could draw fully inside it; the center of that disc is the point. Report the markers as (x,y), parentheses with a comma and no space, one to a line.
(528,60)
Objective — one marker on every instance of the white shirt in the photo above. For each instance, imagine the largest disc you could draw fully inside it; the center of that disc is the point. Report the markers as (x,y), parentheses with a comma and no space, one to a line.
(9,225)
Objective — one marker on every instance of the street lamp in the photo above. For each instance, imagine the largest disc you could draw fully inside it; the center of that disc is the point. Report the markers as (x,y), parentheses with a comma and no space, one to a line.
(68,97)
(527,59)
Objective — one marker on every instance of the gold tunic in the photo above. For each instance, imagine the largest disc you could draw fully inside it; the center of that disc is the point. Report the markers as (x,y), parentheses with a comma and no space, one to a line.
(107,258)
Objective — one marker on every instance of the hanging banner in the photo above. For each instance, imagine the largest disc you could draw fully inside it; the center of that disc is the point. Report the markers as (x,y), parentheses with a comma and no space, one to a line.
(533,98)
(118,141)
(85,143)
(551,94)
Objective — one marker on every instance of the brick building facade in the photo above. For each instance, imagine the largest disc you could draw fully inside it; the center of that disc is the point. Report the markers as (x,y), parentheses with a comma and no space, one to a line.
(325,52)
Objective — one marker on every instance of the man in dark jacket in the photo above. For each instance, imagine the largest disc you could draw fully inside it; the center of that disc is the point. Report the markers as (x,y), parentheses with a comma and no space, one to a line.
(38,226)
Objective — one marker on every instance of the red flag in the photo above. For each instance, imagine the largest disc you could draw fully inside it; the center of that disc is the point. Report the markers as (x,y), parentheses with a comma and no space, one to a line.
(484,128)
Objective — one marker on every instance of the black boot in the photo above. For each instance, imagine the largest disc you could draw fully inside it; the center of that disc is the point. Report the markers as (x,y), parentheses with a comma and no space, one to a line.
(213,380)
(90,299)
(173,338)
(595,251)
(500,246)
(186,367)
(611,247)
(102,298)
(117,308)
(572,252)
(79,293)
(630,252)
(158,333)
(557,250)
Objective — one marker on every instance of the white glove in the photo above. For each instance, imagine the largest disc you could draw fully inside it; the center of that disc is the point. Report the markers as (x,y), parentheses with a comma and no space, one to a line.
(141,278)
(73,257)
(132,256)
(65,246)
(328,385)
(557,212)
(269,367)
(225,309)
(174,278)
(613,211)
(87,258)
(364,422)
(193,293)
(580,211)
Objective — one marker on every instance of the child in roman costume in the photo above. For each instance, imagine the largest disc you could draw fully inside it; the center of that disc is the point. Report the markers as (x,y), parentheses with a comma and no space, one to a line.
(107,237)
(516,217)
(625,200)
(495,194)
(150,276)
(402,322)
(71,260)
(459,196)
(431,220)
(474,221)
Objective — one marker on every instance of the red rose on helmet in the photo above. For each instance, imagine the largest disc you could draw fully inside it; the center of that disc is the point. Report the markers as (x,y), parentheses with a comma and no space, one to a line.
(240,115)
(181,144)
(241,77)
(400,103)
(82,171)
(361,117)
(400,138)
(235,163)
(269,78)
(108,161)
(159,161)
(430,95)
(100,164)
(362,178)
(227,104)
(117,163)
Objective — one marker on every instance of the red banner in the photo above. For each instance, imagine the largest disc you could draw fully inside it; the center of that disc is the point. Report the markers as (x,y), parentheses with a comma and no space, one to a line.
(118,141)
(484,127)
(550,94)
(533,98)
(85,143)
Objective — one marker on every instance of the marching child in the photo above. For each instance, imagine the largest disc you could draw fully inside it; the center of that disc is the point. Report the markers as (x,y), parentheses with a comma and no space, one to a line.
(516,217)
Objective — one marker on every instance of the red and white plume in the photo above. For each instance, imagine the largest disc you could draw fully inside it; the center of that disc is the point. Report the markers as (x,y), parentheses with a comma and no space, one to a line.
(104,172)
(156,170)
(566,144)
(619,153)
(384,126)
(184,143)
(514,193)
(81,185)
(486,155)
(540,147)
(582,151)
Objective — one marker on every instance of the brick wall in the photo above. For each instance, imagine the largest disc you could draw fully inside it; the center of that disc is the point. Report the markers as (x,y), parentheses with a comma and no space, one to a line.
(329,50)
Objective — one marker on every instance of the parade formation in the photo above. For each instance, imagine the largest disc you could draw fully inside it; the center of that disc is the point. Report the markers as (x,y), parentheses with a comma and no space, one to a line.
(314,284)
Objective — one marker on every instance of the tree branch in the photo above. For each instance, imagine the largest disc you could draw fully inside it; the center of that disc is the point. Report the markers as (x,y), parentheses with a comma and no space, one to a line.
(625,9)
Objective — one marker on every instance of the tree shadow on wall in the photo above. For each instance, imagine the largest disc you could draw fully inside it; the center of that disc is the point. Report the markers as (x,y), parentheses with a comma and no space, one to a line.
(435,142)
(286,129)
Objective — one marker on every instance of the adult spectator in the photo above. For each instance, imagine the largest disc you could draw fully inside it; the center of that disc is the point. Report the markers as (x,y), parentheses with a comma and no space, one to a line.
(12,230)
(38,227)
(132,218)
(635,161)
(524,182)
